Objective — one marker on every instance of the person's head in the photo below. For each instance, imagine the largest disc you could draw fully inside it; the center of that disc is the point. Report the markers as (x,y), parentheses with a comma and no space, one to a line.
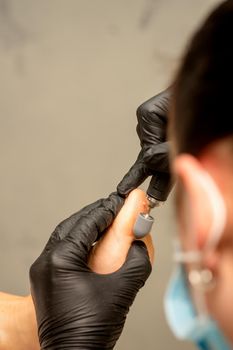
(201,131)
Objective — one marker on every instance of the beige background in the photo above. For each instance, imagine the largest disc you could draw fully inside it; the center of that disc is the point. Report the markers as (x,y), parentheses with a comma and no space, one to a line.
(72,73)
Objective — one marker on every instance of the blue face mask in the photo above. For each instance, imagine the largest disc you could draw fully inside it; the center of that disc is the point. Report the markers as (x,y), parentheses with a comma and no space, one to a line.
(183,319)
(184,302)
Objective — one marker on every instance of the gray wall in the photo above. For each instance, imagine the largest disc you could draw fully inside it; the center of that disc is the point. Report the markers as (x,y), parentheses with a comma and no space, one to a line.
(72,74)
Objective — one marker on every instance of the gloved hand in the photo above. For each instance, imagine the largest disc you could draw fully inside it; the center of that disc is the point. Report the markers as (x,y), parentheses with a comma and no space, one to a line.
(152,118)
(75,307)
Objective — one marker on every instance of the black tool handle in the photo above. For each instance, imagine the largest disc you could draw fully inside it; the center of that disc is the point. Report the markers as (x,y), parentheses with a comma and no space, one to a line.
(160,186)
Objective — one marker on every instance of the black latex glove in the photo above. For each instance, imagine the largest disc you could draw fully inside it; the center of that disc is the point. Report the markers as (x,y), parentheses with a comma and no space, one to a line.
(75,307)
(152,118)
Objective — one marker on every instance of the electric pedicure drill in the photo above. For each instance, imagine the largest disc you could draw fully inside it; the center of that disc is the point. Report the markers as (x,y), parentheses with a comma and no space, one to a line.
(157,193)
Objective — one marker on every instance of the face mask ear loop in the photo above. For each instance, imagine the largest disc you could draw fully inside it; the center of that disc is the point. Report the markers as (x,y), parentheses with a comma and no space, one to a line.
(191,257)
(219,217)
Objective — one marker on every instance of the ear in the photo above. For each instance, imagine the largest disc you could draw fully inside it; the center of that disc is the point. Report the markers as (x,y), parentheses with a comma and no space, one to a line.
(196,208)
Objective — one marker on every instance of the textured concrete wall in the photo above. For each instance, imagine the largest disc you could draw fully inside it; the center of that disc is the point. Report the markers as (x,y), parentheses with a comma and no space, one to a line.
(72,73)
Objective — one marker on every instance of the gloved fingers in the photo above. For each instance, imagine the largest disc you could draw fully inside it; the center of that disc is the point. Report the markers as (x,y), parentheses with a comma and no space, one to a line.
(155,108)
(138,260)
(152,121)
(136,175)
(137,267)
(150,134)
(68,224)
(92,224)
(151,159)
(152,118)
(156,157)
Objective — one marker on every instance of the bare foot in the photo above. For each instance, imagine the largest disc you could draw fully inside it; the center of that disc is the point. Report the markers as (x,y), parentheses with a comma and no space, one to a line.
(109,254)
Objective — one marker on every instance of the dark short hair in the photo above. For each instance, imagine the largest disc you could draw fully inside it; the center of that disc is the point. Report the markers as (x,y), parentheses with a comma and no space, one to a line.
(202,108)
